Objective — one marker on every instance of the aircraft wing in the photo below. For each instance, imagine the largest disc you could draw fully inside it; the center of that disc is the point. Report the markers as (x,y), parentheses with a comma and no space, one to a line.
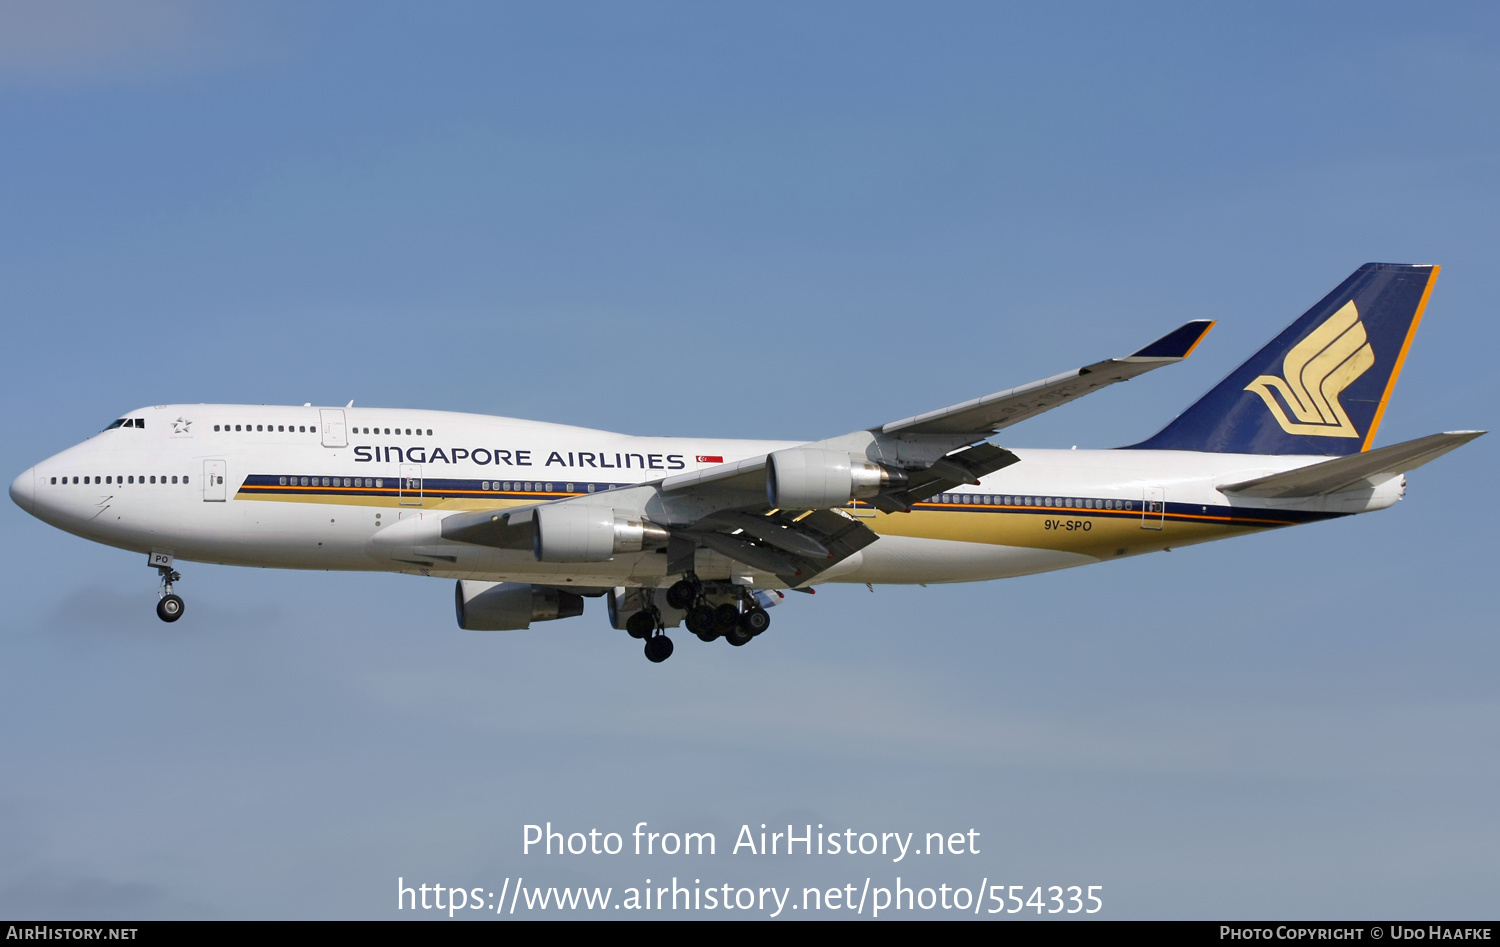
(727,508)
(794,547)
(969,423)
(1003,408)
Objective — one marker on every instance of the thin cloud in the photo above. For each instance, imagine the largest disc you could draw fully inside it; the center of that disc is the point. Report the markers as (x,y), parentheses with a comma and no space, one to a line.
(82,41)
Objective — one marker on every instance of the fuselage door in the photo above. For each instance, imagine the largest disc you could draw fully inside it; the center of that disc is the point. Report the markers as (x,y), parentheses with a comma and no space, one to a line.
(1153,507)
(213,481)
(333,428)
(411,485)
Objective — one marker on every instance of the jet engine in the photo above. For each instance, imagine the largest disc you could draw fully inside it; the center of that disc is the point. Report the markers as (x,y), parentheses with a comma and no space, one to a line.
(809,478)
(574,532)
(510,606)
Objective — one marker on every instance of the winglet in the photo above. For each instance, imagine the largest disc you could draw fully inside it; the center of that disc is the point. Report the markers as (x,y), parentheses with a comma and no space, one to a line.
(1179,343)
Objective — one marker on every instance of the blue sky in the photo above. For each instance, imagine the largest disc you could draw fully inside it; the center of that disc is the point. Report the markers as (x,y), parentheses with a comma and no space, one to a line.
(770,221)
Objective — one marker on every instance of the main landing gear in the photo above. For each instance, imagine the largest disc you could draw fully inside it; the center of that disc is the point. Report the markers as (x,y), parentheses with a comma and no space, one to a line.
(719,610)
(169,605)
(736,622)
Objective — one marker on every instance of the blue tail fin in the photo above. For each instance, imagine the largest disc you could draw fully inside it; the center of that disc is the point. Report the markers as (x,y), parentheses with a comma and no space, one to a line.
(1321,386)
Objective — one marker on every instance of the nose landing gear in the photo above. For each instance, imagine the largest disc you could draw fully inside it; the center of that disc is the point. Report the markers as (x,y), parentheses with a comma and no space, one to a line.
(169,606)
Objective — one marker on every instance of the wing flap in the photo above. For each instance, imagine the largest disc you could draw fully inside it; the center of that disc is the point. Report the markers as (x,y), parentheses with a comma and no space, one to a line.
(784,544)
(960,467)
(1343,473)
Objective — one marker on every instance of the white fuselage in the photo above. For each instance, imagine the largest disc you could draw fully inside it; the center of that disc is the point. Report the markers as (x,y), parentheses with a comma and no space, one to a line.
(361,488)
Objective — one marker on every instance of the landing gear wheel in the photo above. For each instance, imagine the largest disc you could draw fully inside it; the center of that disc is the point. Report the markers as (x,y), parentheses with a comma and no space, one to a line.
(702,622)
(640,625)
(727,616)
(754,621)
(658,649)
(169,608)
(737,637)
(683,593)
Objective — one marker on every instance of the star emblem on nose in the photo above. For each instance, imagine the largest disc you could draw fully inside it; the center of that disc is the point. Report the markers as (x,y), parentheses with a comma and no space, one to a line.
(181,425)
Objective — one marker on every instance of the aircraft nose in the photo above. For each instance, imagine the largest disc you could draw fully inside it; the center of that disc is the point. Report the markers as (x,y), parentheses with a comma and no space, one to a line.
(23,490)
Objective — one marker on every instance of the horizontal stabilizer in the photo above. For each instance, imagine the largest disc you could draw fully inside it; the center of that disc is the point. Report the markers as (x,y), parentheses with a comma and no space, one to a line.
(1343,473)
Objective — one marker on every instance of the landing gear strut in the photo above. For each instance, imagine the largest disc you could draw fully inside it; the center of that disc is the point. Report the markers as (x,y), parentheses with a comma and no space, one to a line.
(169,606)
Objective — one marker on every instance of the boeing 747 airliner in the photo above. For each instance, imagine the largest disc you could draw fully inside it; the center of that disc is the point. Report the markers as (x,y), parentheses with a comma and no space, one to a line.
(532,518)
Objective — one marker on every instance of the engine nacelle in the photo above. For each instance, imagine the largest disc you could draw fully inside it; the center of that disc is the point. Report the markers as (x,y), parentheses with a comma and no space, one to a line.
(809,478)
(510,606)
(575,532)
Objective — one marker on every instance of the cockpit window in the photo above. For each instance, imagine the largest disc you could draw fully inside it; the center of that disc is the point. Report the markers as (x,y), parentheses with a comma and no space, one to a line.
(116,424)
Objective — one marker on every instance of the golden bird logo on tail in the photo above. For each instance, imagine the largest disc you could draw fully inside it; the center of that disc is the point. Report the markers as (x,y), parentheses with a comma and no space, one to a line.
(1315,372)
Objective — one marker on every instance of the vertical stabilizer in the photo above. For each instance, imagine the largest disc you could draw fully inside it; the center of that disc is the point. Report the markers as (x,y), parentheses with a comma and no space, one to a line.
(1321,386)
